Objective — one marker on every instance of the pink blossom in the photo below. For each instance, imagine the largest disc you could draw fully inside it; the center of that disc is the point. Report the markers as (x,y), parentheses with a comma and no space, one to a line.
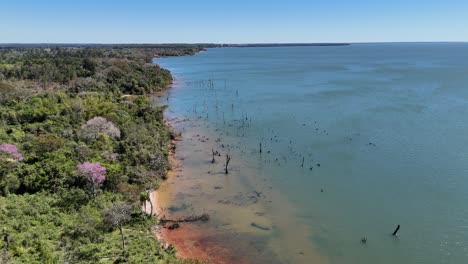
(93,172)
(11,150)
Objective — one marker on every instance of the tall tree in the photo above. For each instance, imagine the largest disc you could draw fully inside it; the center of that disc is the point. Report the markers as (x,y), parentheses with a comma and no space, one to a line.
(117,215)
(94,173)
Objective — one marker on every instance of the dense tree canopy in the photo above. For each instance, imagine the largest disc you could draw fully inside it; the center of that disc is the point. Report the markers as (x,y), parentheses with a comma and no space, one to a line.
(65,127)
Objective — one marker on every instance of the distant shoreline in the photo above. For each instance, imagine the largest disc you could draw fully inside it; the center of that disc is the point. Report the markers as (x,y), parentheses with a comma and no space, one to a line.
(207,45)
(175,45)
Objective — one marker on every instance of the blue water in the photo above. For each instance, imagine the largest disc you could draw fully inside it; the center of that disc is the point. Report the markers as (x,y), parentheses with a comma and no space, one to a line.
(388,124)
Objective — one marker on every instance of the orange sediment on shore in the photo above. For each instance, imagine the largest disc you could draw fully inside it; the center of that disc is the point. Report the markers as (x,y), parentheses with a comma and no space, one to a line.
(243,228)
(190,240)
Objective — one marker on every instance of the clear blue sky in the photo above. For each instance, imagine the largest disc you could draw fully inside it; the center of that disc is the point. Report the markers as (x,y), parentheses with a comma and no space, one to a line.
(233,21)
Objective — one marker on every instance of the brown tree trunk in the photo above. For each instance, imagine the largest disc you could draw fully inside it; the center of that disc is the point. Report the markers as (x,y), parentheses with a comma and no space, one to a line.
(151,203)
(122,237)
(94,190)
(228,159)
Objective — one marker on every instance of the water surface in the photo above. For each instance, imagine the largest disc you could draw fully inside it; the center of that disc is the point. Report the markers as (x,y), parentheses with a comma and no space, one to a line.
(382,130)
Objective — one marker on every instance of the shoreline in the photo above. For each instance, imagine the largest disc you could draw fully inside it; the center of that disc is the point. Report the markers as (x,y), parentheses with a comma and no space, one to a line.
(174,238)
(208,242)
(245,223)
(229,238)
(184,239)
(159,230)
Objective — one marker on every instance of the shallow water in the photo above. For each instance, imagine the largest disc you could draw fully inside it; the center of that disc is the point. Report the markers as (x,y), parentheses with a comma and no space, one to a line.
(382,129)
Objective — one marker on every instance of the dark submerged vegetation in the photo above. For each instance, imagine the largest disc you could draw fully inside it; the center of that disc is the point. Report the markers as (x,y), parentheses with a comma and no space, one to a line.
(79,145)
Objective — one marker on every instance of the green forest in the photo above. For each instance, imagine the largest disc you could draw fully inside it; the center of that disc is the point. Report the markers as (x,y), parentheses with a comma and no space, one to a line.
(81,146)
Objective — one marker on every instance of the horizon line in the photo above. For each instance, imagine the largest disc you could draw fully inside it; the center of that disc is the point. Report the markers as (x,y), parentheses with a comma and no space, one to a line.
(211,45)
(224,43)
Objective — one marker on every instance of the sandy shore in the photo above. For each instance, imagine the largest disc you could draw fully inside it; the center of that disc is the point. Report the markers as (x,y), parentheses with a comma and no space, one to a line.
(229,236)
(237,209)
(186,237)
(192,240)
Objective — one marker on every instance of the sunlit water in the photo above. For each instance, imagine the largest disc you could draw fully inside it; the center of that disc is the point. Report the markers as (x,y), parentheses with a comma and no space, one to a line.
(382,130)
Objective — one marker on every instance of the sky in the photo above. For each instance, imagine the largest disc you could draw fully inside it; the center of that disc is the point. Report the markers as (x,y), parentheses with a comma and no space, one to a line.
(232,21)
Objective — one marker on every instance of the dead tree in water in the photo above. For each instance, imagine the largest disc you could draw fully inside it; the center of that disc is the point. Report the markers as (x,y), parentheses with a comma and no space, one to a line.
(396,230)
(260,147)
(213,153)
(302,165)
(228,159)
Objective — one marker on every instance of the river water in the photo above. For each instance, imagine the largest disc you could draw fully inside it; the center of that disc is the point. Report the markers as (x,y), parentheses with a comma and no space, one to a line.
(355,140)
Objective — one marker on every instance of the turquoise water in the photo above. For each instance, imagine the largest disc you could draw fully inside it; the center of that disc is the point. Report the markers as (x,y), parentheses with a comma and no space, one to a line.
(382,129)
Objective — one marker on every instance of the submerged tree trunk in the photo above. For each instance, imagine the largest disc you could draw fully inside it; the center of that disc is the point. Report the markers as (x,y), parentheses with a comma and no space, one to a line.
(228,159)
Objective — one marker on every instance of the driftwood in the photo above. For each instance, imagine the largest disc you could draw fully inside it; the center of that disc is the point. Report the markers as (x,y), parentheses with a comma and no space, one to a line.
(396,230)
(193,218)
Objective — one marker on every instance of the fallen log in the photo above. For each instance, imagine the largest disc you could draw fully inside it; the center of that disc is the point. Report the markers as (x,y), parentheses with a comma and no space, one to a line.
(193,218)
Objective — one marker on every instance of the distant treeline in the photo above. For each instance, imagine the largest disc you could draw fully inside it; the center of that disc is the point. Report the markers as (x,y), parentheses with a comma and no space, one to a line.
(106,46)
(167,47)
(253,45)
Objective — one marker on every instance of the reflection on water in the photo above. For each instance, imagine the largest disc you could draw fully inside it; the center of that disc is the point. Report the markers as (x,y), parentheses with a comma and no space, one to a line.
(355,140)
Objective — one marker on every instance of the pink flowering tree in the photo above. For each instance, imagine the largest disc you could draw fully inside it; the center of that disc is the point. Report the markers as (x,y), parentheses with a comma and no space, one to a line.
(94,173)
(11,151)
